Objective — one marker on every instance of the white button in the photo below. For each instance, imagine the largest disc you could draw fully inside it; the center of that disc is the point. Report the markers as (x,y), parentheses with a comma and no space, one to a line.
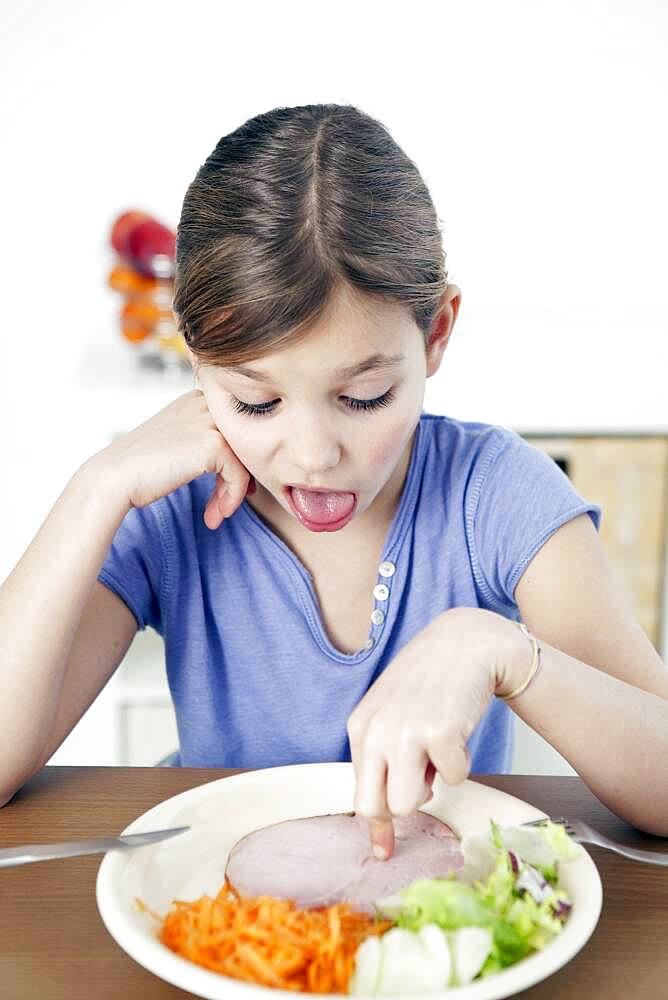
(368,644)
(377,616)
(381,592)
(386,569)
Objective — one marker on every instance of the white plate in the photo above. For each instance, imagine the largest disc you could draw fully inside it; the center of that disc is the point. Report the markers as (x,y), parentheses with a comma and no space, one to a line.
(221,812)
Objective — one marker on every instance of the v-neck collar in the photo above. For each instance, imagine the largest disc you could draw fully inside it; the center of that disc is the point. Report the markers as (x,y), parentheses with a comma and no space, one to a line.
(393,538)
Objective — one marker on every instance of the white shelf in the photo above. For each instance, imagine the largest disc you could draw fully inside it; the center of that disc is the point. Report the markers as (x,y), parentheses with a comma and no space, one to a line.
(111,364)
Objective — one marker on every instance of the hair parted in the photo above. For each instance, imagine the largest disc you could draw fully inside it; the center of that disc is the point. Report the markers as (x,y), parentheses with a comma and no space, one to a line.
(288,208)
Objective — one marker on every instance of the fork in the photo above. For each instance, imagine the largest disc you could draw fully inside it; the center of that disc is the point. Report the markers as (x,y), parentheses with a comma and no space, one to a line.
(582,833)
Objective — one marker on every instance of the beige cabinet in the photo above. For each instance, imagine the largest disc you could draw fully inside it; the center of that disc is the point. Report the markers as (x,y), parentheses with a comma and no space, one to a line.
(628,476)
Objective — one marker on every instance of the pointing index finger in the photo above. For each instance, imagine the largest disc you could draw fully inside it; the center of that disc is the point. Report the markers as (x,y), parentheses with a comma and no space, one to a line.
(381,834)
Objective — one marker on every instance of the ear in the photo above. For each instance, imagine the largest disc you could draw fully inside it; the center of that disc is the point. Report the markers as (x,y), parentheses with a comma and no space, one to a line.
(441,328)
(194,363)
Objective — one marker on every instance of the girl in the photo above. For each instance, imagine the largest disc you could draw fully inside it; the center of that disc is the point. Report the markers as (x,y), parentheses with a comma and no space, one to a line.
(335,573)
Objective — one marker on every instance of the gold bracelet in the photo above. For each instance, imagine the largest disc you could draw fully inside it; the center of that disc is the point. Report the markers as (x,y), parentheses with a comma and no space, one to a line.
(535,663)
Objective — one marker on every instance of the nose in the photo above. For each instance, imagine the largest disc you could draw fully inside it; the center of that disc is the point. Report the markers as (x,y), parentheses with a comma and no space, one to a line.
(313,449)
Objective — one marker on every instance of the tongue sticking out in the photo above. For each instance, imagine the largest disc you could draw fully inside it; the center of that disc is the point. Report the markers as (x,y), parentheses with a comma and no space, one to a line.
(322,508)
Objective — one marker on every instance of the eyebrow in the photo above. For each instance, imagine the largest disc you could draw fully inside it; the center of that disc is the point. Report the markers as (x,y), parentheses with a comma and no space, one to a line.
(373,363)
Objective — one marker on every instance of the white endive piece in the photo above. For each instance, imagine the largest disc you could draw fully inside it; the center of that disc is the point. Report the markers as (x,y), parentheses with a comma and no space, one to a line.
(364,979)
(402,962)
(471,947)
(436,945)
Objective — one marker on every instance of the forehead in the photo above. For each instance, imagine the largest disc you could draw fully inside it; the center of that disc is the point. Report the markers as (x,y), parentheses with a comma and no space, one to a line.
(357,333)
(368,311)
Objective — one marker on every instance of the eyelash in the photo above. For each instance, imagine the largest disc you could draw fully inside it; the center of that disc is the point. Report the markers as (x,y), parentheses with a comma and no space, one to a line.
(367,405)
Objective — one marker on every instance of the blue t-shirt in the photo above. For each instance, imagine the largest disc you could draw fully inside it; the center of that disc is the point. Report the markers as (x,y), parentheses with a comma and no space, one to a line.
(254,678)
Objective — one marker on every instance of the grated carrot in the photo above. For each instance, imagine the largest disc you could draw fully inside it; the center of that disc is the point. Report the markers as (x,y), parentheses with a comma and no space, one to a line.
(268,941)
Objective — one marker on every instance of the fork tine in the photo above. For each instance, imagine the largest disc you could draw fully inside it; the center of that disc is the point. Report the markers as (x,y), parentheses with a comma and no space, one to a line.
(553,819)
(574,828)
(569,827)
(545,819)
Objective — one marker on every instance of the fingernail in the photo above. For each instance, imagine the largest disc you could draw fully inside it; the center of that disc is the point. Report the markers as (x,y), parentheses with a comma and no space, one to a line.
(379,852)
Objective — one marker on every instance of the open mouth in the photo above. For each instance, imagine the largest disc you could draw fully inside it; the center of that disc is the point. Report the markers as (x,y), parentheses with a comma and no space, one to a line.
(321,509)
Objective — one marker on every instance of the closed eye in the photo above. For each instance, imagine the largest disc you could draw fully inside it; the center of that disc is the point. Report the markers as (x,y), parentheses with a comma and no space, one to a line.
(366,405)
(250,409)
(369,404)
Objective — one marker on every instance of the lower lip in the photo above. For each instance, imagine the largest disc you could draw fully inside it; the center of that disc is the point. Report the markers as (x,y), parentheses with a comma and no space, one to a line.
(318,525)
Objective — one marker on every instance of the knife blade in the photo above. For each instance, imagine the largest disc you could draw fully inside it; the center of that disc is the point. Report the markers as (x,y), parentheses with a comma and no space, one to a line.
(26,853)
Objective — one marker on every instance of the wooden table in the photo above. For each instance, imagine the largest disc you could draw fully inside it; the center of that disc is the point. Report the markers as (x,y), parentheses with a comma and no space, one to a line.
(54,946)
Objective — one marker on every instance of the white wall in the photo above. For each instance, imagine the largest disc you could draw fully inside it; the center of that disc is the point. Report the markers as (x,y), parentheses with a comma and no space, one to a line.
(539,126)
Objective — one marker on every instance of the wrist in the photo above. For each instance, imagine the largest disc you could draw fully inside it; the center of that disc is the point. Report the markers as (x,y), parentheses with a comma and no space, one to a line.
(98,480)
(520,662)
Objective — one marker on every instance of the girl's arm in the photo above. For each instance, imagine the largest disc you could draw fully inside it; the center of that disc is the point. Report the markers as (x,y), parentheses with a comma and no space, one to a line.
(609,722)
(600,696)
(62,634)
(41,606)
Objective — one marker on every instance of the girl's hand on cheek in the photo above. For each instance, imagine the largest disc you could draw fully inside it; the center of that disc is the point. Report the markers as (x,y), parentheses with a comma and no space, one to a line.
(172,448)
(417,717)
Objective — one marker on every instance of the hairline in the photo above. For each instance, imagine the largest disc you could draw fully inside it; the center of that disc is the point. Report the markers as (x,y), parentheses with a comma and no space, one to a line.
(373,363)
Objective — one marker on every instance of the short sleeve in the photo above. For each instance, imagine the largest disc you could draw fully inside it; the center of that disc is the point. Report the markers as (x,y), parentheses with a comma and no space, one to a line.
(517,498)
(133,566)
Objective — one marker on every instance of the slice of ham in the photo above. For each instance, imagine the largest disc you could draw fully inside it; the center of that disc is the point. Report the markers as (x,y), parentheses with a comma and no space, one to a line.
(323,860)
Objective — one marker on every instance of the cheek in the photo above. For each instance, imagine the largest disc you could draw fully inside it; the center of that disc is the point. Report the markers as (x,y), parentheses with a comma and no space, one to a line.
(247,443)
(385,447)
(249,447)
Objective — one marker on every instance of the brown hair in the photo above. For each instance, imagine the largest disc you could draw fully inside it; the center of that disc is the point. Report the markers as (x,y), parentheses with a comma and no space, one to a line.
(288,208)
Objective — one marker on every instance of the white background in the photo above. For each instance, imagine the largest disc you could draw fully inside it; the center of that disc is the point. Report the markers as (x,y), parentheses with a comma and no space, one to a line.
(540,128)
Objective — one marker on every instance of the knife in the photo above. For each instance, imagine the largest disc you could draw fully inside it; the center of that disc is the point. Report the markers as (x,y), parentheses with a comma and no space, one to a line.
(72,848)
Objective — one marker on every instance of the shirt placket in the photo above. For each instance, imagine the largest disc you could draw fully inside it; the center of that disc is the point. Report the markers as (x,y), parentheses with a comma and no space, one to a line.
(381,594)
